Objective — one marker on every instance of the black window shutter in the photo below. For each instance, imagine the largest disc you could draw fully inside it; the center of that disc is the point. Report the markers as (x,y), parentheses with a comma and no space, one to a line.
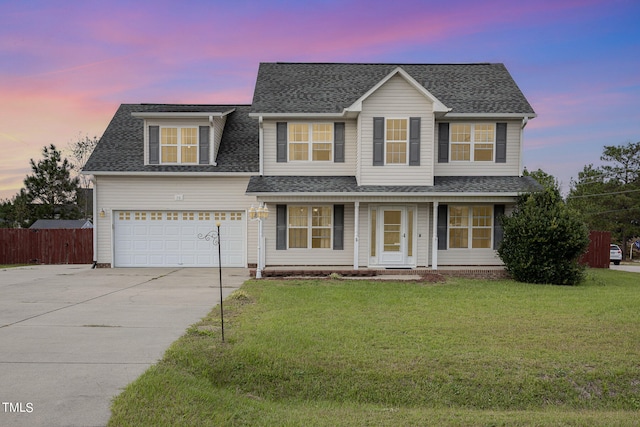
(281,142)
(203,145)
(501,143)
(414,141)
(378,141)
(338,227)
(442,227)
(281,227)
(154,145)
(338,142)
(498,232)
(443,142)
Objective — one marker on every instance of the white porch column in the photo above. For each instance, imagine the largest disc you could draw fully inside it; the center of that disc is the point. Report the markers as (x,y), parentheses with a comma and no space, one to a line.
(356,234)
(95,219)
(434,247)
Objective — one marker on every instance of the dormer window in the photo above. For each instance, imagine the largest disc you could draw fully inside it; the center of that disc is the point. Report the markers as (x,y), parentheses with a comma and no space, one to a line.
(179,145)
(183,138)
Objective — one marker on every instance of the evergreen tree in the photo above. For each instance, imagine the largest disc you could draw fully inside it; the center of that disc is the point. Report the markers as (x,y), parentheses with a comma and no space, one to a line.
(608,196)
(543,240)
(50,188)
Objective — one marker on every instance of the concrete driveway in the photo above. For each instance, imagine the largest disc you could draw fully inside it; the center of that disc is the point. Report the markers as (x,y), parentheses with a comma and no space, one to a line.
(632,268)
(71,338)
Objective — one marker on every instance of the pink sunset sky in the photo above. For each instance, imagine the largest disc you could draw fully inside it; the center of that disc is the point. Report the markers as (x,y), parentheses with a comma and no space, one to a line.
(65,66)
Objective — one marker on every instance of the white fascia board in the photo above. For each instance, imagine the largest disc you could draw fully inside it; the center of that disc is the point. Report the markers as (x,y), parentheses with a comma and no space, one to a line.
(359,196)
(490,115)
(182,114)
(181,174)
(298,115)
(438,106)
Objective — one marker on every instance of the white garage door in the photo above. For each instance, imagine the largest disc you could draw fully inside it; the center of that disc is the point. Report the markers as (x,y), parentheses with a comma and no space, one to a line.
(171,239)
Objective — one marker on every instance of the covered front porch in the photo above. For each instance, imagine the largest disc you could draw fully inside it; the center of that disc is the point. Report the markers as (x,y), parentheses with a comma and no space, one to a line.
(325,222)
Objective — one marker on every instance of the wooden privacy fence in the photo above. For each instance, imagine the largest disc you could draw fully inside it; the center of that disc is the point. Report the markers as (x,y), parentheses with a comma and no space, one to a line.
(597,256)
(44,246)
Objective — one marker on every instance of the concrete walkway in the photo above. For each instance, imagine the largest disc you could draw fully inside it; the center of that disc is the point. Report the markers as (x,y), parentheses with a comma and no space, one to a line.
(71,337)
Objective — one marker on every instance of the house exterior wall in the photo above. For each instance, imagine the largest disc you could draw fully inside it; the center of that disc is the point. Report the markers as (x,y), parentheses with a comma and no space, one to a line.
(466,257)
(218,128)
(510,168)
(346,168)
(115,193)
(396,98)
(300,257)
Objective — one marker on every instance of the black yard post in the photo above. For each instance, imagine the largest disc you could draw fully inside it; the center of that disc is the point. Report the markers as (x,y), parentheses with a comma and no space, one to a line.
(220,280)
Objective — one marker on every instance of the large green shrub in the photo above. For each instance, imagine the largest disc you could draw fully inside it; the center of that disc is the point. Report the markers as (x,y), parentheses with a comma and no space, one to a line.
(543,240)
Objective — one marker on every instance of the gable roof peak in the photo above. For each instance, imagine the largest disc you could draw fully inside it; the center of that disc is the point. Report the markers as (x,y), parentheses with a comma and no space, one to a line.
(330,88)
(438,106)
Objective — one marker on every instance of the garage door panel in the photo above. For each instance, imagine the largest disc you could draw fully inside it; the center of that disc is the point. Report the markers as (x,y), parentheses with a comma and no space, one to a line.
(172,230)
(172,245)
(157,238)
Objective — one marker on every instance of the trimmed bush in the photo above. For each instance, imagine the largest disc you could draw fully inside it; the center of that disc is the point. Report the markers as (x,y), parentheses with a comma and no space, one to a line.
(543,240)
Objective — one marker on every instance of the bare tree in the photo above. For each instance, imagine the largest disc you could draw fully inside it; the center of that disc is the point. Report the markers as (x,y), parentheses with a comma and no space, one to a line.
(80,151)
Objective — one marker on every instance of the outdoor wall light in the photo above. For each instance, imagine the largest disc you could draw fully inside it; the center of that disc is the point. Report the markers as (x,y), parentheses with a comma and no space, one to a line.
(262,212)
(102,213)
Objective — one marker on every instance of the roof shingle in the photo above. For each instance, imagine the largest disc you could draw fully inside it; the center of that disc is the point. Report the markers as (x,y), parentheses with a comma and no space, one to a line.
(348,184)
(121,148)
(331,87)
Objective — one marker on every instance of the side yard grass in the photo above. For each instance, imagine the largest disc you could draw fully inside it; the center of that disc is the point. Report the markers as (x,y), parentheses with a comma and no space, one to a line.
(352,353)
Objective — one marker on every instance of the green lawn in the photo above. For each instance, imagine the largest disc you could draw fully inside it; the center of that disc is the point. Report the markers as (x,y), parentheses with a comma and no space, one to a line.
(353,353)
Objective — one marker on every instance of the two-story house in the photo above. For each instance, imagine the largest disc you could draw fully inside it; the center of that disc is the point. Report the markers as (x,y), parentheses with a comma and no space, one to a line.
(360,165)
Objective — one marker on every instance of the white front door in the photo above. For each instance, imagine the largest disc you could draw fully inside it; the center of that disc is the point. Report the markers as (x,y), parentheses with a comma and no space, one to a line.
(395,228)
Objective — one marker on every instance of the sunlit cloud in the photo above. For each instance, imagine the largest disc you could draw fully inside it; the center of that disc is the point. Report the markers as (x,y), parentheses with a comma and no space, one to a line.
(66,70)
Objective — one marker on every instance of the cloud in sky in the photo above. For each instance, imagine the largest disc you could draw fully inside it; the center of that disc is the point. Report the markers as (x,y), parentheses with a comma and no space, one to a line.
(66,66)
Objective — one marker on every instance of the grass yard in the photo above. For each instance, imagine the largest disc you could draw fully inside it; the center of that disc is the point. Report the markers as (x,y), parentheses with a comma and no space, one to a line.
(354,353)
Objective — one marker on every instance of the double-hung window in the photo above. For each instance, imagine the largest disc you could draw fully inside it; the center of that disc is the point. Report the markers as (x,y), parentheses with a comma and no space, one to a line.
(470,226)
(310,141)
(473,142)
(310,226)
(396,141)
(179,144)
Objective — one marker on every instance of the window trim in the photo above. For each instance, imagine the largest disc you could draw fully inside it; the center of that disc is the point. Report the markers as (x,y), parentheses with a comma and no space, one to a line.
(309,227)
(470,227)
(406,141)
(472,143)
(179,144)
(310,142)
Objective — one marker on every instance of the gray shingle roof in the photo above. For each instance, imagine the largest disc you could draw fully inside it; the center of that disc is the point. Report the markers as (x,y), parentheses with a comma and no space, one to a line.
(331,87)
(121,148)
(61,223)
(348,184)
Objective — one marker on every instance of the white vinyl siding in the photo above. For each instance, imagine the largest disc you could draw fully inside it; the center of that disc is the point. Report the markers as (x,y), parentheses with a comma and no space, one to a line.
(197,194)
(510,168)
(218,128)
(271,167)
(299,257)
(468,257)
(397,98)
